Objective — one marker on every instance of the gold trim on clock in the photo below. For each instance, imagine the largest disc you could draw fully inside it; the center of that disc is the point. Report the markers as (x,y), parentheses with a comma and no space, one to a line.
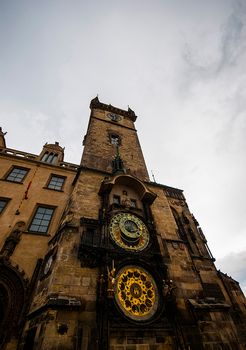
(136,293)
(129,232)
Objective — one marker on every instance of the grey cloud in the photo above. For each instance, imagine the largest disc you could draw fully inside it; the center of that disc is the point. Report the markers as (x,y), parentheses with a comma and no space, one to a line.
(228,51)
(234,34)
(234,265)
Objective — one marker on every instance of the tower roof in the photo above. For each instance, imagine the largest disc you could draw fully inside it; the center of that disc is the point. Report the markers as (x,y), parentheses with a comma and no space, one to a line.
(95,103)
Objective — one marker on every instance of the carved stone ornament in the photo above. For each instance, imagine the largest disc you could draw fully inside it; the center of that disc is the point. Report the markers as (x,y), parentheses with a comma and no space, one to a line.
(177,203)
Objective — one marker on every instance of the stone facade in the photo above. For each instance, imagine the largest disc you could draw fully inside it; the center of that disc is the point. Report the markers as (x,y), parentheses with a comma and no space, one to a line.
(118,263)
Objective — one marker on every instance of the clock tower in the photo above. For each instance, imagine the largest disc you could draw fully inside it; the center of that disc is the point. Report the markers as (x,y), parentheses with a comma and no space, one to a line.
(129,267)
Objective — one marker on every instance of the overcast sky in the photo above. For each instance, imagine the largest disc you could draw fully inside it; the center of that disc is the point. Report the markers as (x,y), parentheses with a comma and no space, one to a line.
(180,65)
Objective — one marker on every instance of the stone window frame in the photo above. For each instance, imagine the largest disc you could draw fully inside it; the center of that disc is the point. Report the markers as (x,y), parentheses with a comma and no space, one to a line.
(4,200)
(51,178)
(12,170)
(34,217)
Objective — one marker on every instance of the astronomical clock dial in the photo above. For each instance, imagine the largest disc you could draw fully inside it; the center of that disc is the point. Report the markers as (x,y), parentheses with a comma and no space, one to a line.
(129,232)
(136,293)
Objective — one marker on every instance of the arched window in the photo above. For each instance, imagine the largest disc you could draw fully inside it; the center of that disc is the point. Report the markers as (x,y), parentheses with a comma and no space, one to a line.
(115,139)
(50,158)
(45,156)
(54,160)
(181,230)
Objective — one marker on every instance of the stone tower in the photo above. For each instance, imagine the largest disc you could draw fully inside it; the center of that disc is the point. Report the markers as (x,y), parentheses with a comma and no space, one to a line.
(128,267)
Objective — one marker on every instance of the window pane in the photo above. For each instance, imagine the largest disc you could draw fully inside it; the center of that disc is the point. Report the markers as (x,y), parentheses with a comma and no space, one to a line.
(54,159)
(42,229)
(45,223)
(33,228)
(3,203)
(56,183)
(44,157)
(50,157)
(37,221)
(49,211)
(39,216)
(115,140)
(41,220)
(17,175)
(46,217)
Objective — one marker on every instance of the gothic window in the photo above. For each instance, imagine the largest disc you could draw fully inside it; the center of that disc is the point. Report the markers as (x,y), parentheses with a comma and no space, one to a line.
(17,174)
(50,158)
(54,159)
(181,229)
(41,220)
(45,156)
(56,182)
(114,140)
(3,203)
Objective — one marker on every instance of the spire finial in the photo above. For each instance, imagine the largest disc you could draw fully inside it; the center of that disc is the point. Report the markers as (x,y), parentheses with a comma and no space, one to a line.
(153,176)
(2,138)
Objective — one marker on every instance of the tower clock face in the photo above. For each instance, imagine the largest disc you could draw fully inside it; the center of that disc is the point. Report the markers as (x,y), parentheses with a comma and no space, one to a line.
(129,232)
(114,117)
(136,293)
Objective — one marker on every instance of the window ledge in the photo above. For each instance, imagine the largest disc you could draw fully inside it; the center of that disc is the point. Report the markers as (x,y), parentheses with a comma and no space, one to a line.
(52,189)
(36,234)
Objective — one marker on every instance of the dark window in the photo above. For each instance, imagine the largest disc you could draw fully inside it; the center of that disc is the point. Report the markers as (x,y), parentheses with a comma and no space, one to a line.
(213,290)
(45,156)
(3,203)
(17,174)
(116,199)
(133,203)
(41,220)
(115,140)
(56,182)
(90,237)
(49,158)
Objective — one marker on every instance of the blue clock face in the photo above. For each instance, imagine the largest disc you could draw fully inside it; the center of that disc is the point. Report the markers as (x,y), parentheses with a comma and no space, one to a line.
(114,117)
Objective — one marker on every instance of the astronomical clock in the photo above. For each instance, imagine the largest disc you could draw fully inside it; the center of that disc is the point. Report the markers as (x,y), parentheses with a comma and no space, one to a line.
(129,232)
(136,293)
(134,288)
